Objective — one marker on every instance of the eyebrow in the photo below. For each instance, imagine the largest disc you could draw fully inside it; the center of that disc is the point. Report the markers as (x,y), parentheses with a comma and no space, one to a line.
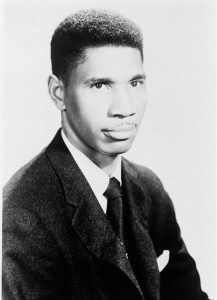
(98,80)
(139,76)
(110,81)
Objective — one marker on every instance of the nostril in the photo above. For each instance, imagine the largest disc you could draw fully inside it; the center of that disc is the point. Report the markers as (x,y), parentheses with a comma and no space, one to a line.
(118,116)
(122,116)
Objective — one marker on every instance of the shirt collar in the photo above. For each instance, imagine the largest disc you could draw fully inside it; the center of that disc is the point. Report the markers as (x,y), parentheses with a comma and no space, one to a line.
(95,176)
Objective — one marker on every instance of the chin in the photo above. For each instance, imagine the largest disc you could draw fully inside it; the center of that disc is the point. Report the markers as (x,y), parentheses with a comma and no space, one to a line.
(119,147)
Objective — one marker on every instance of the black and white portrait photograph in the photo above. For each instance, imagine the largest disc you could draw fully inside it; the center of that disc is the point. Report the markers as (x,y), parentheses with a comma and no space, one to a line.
(109,150)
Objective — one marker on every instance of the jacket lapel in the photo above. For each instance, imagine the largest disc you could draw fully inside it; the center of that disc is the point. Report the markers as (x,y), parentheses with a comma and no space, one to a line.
(141,250)
(89,220)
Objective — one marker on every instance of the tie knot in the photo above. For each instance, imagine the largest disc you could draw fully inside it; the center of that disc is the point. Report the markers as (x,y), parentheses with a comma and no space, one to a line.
(113,190)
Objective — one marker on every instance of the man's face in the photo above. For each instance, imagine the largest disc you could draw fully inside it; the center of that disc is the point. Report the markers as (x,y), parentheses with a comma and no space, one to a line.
(105,101)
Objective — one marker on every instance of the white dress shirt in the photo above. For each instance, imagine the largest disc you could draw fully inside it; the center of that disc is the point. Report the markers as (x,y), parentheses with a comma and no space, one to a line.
(96,177)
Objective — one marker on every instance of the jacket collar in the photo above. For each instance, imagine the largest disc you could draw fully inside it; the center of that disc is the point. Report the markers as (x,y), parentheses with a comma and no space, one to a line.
(89,220)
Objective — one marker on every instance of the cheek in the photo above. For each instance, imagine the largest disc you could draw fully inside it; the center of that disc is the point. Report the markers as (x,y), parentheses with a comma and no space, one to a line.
(90,122)
(139,96)
(94,113)
(94,102)
(140,104)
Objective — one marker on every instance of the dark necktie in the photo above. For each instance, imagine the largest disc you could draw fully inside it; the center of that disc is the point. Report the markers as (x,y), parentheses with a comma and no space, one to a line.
(114,210)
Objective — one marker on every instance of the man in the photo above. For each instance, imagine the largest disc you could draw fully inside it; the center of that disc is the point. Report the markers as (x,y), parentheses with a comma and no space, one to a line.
(80,221)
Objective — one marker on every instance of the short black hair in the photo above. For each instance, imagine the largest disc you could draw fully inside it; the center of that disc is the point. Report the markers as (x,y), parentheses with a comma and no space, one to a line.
(90,28)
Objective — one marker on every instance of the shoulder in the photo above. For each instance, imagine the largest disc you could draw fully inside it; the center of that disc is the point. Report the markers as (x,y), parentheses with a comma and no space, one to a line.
(143,175)
(155,195)
(31,181)
(33,200)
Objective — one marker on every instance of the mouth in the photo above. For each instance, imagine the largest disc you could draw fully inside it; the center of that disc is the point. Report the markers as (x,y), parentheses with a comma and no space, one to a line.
(121,132)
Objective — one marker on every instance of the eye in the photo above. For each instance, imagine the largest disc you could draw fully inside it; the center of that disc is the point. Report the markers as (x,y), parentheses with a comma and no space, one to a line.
(99,85)
(135,83)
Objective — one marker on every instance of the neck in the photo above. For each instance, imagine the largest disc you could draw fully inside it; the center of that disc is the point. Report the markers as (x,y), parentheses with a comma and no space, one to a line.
(107,163)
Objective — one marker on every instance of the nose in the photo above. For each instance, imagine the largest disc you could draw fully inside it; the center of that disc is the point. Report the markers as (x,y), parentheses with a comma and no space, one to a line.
(121,104)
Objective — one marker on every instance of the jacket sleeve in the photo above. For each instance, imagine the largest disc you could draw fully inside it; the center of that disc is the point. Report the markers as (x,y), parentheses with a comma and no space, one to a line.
(29,267)
(179,279)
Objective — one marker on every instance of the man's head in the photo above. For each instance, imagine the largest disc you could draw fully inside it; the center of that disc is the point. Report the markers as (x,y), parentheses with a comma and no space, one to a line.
(98,82)
(89,28)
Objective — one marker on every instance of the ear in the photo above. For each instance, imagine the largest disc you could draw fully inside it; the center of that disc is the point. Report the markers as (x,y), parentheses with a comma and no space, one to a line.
(56,91)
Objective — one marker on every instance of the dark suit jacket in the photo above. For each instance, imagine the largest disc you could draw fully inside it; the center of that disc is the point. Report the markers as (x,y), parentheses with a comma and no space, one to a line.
(58,244)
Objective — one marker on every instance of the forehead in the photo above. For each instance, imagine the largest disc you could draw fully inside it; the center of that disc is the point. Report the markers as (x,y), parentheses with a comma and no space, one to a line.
(110,61)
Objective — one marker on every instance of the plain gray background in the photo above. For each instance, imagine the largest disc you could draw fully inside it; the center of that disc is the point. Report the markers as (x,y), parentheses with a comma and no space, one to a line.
(177,138)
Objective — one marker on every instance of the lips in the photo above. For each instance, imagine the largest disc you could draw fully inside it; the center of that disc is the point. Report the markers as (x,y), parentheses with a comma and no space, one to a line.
(121,132)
